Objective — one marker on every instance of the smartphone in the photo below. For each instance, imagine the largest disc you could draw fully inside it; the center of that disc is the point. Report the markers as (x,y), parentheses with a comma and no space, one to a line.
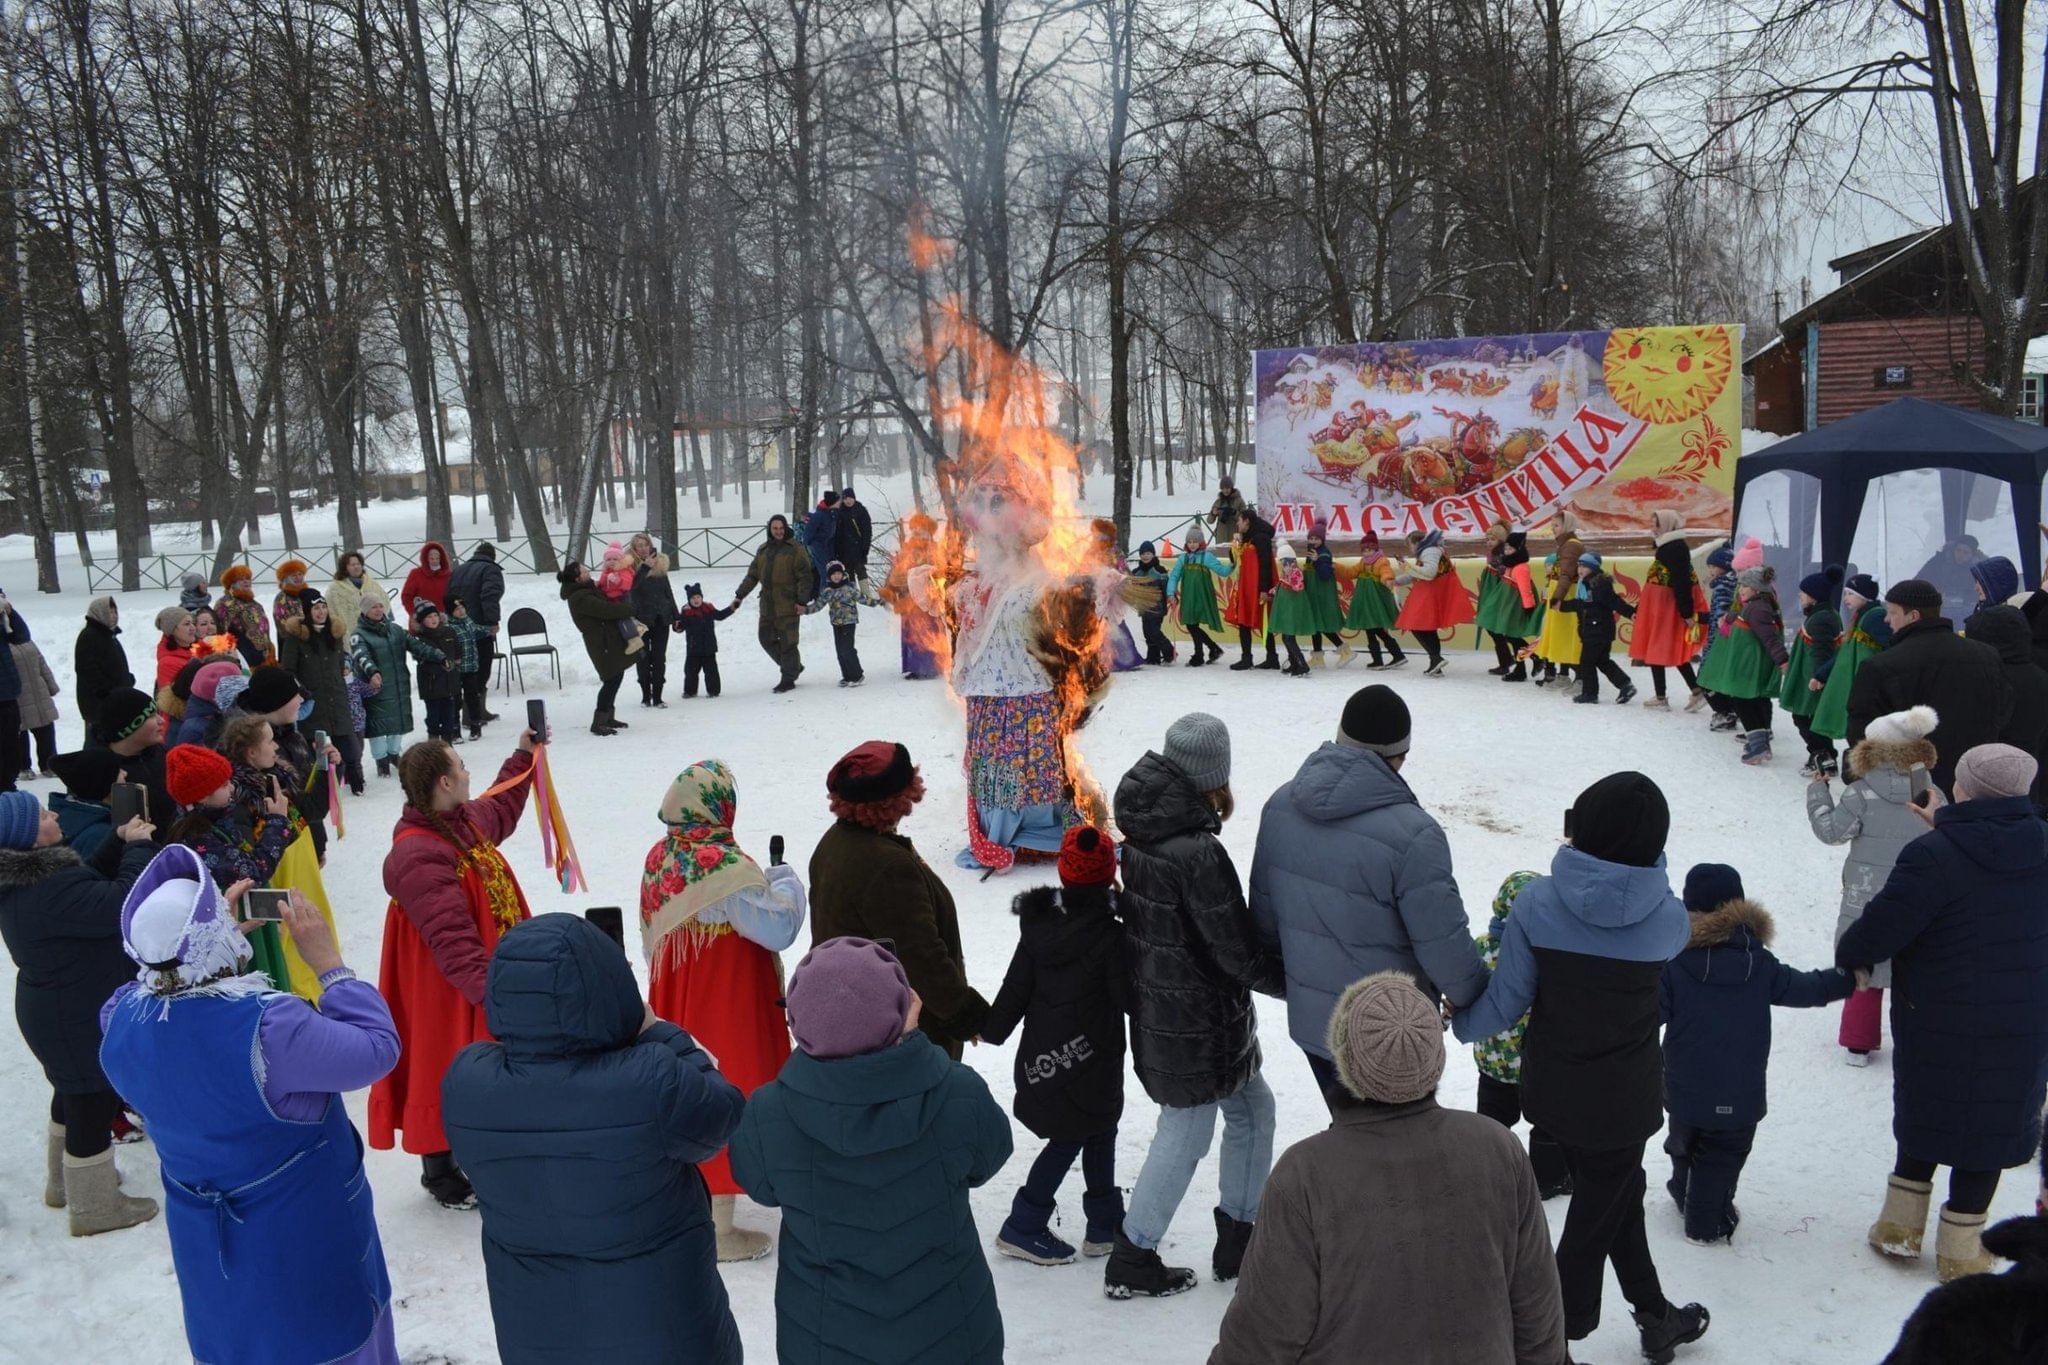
(1567,822)
(537,720)
(775,851)
(610,919)
(265,905)
(320,750)
(127,800)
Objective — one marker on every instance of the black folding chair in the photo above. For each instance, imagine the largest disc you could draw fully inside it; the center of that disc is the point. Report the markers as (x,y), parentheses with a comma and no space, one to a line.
(525,623)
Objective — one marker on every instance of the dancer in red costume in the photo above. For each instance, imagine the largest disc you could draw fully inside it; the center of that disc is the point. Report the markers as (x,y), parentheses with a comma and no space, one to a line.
(711,924)
(452,896)
(1437,601)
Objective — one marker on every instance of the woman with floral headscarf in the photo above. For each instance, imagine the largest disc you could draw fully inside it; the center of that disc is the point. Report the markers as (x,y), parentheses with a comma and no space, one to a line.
(241,1086)
(711,924)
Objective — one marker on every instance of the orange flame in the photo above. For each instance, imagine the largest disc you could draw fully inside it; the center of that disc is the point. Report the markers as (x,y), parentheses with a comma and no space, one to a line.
(926,250)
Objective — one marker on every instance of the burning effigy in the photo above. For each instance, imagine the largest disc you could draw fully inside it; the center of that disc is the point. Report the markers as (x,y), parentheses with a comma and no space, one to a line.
(1026,599)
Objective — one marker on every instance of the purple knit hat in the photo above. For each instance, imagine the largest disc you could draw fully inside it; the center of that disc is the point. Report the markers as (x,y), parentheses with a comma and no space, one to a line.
(848,996)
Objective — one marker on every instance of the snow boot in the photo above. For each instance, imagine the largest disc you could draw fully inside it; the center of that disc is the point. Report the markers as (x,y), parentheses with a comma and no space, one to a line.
(383,767)
(1519,673)
(598,725)
(443,1179)
(1856,1056)
(1132,1270)
(1105,1213)
(92,1193)
(1959,1246)
(611,718)
(1902,1222)
(1663,1333)
(1232,1237)
(53,1180)
(1027,1236)
(1316,659)
(1722,722)
(1199,658)
(1756,748)
(1626,695)
(736,1243)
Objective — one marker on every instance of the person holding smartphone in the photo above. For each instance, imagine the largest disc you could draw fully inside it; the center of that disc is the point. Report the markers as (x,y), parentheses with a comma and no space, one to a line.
(263,1171)
(62,924)
(453,896)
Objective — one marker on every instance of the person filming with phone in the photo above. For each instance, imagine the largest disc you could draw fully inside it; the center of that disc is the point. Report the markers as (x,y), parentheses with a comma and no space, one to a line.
(452,896)
(241,1086)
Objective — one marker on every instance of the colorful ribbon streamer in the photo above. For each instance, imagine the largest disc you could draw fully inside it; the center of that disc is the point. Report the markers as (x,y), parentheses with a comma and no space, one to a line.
(334,803)
(556,845)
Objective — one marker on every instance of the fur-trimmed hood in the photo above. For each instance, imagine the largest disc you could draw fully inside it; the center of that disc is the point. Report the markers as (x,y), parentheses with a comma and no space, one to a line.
(1899,755)
(1718,926)
(24,867)
(1064,924)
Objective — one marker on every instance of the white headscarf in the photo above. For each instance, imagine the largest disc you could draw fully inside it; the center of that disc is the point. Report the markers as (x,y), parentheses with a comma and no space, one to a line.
(177,927)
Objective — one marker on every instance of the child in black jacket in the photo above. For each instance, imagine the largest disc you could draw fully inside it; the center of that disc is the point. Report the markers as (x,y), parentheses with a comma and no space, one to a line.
(1067,985)
(698,625)
(1716,1000)
(1158,649)
(1597,604)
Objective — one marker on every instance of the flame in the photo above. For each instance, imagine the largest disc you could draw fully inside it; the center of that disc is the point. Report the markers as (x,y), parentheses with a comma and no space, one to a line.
(1015,485)
(926,250)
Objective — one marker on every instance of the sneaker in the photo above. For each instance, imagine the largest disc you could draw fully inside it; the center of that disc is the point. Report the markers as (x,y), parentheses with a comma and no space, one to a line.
(1026,1236)
(1663,1333)
(855,682)
(1104,1210)
(1132,1271)
(1856,1056)
(1435,669)
(1723,722)
(1626,695)
(1345,654)
(1398,661)
(1697,700)
(1232,1237)
(1657,704)
(1376,663)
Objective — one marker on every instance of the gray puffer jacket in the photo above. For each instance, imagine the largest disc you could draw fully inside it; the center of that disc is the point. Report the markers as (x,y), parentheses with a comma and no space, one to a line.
(1351,876)
(1873,819)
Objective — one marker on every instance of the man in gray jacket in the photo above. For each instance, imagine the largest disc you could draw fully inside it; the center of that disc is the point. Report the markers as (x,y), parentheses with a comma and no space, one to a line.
(1351,876)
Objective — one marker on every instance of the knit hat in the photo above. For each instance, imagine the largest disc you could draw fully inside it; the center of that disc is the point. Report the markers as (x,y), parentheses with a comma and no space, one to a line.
(1994,770)
(21,819)
(193,772)
(1622,818)
(874,771)
(1283,550)
(423,607)
(310,598)
(846,492)
(1369,540)
(1821,586)
(103,611)
(170,618)
(614,549)
(1590,559)
(1722,557)
(1146,547)
(88,774)
(691,590)
(1709,886)
(1756,578)
(206,682)
(124,711)
(1387,1040)
(1863,585)
(1087,857)
(227,689)
(1319,529)
(1903,727)
(271,688)
(193,581)
(834,567)
(1915,594)
(1749,554)
(1997,576)
(848,996)
(1199,745)
(1376,720)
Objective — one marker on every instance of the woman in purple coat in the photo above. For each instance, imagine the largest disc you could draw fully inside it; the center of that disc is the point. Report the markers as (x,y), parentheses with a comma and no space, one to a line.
(241,1085)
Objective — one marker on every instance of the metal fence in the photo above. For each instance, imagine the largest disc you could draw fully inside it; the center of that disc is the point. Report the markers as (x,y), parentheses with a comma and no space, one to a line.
(699,547)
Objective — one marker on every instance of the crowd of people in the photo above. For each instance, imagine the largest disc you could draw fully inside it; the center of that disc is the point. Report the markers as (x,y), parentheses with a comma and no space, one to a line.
(179,977)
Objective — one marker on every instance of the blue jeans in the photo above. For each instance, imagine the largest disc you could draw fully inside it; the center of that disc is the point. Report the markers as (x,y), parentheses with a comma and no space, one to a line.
(386,746)
(1179,1144)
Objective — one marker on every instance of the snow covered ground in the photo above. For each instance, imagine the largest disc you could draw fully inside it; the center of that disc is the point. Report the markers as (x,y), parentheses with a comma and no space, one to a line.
(1497,765)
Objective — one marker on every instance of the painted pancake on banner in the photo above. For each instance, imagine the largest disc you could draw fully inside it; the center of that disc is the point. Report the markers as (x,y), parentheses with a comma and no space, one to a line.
(1454,435)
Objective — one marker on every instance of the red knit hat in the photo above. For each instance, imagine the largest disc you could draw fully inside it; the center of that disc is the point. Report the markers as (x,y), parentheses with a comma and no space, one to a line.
(193,772)
(1087,857)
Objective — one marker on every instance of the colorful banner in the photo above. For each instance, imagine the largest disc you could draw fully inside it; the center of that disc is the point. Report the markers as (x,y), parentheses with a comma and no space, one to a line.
(1455,435)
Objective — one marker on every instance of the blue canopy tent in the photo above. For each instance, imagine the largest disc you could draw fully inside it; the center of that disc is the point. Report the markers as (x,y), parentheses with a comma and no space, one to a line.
(1839,462)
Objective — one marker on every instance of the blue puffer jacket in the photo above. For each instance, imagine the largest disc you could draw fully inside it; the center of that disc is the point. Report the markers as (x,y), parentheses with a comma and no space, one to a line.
(86,824)
(1964,920)
(580,1132)
(1352,877)
(1716,1000)
(870,1159)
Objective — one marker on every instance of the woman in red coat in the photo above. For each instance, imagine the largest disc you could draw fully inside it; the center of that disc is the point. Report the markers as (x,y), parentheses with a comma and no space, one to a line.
(452,896)
(711,924)
(429,579)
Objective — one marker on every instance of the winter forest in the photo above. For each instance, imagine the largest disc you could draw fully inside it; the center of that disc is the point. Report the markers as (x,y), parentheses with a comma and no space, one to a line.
(665,244)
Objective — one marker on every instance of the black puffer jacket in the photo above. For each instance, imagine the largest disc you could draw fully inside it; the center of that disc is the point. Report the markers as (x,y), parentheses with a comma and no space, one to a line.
(1928,664)
(1068,986)
(654,601)
(62,923)
(1194,955)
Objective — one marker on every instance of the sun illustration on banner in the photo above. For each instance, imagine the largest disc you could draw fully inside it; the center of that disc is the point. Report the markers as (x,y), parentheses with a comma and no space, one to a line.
(1667,375)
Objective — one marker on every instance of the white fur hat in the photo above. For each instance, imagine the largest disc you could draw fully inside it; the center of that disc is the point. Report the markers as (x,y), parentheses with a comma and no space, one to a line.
(1283,549)
(1901,726)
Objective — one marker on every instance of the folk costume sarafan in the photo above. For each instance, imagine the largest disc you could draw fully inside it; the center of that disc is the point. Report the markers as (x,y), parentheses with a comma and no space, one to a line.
(1558,642)
(452,897)
(1672,610)
(1509,605)
(1437,600)
(711,925)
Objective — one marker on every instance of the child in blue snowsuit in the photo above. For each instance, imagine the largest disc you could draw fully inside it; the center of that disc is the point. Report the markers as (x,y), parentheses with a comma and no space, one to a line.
(1716,1000)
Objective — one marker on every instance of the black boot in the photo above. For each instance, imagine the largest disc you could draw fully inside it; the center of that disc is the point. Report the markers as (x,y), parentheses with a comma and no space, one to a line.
(611,718)
(1132,1270)
(1242,664)
(1519,673)
(1665,1332)
(443,1179)
(383,767)
(600,724)
(1232,1237)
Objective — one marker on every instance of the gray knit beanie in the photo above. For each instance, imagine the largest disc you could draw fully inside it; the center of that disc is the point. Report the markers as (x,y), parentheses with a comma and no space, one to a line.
(1199,745)
(1990,771)
(1387,1040)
